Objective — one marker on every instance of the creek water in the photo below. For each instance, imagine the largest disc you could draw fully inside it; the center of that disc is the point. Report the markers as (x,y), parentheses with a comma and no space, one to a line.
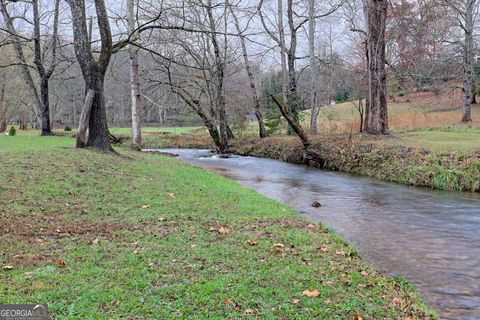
(429,237)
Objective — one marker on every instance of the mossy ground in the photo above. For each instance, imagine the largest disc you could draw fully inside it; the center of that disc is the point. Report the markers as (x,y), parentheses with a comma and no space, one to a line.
(149,237)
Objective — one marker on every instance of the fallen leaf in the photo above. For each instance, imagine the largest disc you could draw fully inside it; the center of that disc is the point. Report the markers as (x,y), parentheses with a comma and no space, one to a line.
(323,249)
(364,273)
(251,242)
(60,263)
(135,243)
(171,194)
(279,245)
(357,316)
(312,226)
(145,206)
(211,229)
(227,301)
(162,219)
(249,311)
(340,252)
(329,283)
(7,268)
(137,250)
(309,293)
(223,230)
(28,274)
(151,264)
(94,241)
(327,301)
(72,193)
(295,301)
(172,298)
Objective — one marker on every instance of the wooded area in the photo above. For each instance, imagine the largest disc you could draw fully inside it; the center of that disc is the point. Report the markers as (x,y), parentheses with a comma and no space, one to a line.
(218,63)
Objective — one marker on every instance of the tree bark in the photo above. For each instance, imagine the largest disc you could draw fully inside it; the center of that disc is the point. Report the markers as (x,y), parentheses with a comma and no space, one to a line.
(376,121)
(84,119)
(134,83)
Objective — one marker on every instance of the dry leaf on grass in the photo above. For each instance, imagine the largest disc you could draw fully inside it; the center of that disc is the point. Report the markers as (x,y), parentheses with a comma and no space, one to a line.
(249,311)
(94,241)
(7,267)
(223,230)
(279,245)
(145,206)
(171,194)
(309,293)
(251,242)
(61,263)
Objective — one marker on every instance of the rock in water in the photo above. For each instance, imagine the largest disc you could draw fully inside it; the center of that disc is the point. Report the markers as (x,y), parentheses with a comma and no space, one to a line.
(316,204)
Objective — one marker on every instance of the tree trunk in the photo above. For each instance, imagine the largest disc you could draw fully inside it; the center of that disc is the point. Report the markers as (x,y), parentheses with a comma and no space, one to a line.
(292,121)
(313,67)
(283,53)
(256,101)
(134,84)
(468,53)
(376,121)
(84,119)
(220,69)
(93,71)
(3,109)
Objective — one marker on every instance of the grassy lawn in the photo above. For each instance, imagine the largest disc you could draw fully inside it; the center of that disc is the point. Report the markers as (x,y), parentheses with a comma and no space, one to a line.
(149,237)
(458,139)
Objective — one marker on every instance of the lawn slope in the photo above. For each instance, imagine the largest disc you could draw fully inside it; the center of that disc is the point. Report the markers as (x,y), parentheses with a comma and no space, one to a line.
(149,237)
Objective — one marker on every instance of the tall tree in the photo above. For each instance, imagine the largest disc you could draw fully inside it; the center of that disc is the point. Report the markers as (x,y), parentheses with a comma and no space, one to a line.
(220,74)
(465,12)
(376,115)
(251,78)
(134,81)
(93,70)
(39,97)
(312,67)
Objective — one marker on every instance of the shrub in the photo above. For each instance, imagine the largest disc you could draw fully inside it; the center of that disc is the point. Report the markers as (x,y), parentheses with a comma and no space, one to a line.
(12,131)
(67,128)
(446,180)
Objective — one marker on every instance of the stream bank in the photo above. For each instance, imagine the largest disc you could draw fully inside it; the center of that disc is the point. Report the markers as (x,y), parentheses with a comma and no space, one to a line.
(362,155)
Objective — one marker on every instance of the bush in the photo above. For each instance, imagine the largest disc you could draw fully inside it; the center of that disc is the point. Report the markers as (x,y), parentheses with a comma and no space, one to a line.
(446,180)
(12,131)
(67,128)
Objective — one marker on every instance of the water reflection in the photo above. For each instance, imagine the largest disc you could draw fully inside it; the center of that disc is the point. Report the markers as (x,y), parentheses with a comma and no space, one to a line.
(430,237)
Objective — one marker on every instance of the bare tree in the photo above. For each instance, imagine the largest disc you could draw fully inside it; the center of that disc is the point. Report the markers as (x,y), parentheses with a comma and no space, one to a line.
(312,67)
(251,78)
(93,70)
(39,97)
(465,12)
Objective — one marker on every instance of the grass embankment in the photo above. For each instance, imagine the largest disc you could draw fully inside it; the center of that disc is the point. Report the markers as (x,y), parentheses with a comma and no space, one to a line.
(448,165)
(150,237)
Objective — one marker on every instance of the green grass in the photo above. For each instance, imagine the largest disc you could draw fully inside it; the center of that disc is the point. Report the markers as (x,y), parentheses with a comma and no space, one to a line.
(443,140)
(98,236)
(118,131)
